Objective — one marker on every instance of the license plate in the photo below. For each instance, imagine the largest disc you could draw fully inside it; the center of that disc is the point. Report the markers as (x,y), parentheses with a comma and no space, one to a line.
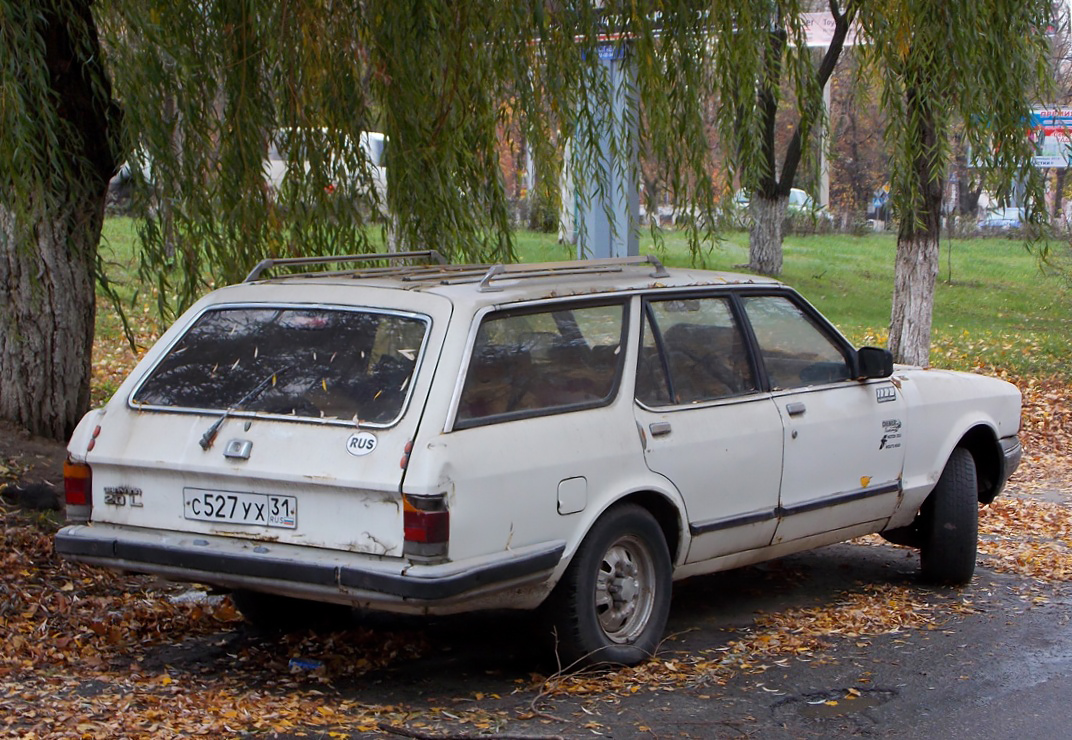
(266,510)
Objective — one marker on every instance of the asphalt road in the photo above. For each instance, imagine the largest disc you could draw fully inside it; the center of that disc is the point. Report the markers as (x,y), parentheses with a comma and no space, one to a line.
(1003,671)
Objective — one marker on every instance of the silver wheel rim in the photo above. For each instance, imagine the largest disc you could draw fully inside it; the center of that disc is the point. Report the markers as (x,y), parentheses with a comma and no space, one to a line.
(625,589)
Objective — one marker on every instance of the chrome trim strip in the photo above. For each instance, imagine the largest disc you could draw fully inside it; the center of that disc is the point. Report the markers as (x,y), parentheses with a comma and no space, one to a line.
(781,512)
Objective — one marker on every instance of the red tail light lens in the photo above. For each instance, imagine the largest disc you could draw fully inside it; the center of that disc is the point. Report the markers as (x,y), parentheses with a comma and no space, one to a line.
(426,523)
(77,483)
(425,520)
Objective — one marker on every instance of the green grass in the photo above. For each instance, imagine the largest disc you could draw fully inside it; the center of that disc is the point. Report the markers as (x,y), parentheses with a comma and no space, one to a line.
(997,307)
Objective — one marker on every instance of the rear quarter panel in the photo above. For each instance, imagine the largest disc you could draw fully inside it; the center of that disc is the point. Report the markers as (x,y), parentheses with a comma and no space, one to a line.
(503,480)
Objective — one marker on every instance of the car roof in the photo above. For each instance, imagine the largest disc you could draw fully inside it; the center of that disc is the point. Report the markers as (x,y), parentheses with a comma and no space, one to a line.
(502,283)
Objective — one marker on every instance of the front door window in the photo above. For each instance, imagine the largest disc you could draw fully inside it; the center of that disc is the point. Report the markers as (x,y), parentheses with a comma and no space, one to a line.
(795,351)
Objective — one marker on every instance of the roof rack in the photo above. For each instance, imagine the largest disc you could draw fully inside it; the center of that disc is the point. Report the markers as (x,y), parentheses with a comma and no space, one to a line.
(447,274)
(427,254)
(578,267)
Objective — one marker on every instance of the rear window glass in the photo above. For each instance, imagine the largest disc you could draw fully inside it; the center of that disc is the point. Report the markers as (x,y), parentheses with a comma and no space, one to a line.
(542,362)
(336,364)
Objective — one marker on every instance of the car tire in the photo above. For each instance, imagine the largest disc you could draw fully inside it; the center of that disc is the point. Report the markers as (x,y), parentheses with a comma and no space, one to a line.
(613,600)
(950,523)
(275,613)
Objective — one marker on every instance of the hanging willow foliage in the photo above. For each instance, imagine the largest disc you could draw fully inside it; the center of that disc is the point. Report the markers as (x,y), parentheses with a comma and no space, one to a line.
(977,66)
(206,86)
(57,152)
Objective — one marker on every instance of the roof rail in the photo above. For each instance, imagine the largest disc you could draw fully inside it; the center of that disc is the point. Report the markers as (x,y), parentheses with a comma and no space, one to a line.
(428,254)
(575,267)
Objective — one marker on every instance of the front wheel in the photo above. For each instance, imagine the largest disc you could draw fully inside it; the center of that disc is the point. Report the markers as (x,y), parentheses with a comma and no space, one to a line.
(613,600)
(950,523)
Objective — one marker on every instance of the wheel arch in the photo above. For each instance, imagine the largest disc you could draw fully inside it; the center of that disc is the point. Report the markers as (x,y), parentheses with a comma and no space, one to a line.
(666,514)
(981,441)
(620,559)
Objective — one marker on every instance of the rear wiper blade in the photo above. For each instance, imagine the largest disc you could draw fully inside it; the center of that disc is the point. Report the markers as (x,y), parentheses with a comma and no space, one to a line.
(210,434)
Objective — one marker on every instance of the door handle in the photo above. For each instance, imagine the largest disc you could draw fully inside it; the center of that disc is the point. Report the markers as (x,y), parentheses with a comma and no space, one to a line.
(796,408)
(659,428)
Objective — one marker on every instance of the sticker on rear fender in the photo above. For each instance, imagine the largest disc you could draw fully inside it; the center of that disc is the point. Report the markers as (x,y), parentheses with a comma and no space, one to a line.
(231,507)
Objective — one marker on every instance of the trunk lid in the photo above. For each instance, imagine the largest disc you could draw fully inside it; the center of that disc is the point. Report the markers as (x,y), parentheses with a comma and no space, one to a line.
(277,422)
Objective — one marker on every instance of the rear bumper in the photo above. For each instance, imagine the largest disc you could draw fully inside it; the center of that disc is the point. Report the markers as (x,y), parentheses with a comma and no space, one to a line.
(307,572)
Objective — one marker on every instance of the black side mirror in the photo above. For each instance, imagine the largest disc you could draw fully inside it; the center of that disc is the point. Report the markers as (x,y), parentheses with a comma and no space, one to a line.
(873,362)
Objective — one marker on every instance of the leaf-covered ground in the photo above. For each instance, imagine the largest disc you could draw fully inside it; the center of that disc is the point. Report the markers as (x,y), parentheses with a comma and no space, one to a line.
(88,653)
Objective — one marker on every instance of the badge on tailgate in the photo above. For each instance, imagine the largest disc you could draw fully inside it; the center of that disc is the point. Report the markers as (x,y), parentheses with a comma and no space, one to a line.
(231,507)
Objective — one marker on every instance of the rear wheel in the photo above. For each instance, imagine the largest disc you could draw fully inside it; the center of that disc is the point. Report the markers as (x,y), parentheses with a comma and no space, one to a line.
(950,523)
(612,602)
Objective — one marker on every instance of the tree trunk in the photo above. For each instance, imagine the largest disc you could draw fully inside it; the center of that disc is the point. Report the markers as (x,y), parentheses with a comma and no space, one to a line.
(1058,197)
(916,266)
(49,235)
(765,233)
(47,313)
(915,272)
(770,194)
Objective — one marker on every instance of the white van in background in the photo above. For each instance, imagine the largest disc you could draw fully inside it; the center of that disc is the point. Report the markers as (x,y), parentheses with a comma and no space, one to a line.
(372,143)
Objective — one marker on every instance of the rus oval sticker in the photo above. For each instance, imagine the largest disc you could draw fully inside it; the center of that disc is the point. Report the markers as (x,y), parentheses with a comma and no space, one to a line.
(361,443)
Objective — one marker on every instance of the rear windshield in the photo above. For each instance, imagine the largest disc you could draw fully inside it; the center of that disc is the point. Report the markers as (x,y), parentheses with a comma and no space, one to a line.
(321,363)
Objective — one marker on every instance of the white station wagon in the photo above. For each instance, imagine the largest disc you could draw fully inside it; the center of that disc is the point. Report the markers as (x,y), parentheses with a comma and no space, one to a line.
(574,436)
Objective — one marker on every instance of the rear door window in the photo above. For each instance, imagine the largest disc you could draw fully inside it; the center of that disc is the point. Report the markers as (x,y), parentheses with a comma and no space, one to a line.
(530,363)
(692,351)
(323,363)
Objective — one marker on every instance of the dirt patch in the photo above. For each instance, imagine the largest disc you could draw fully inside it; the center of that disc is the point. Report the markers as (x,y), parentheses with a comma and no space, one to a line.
(31,468)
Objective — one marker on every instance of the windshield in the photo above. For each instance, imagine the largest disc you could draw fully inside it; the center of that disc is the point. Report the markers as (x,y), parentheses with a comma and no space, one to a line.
(321,363)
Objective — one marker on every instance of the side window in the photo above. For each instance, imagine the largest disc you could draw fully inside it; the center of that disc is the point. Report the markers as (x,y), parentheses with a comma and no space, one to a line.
(697,341)
(540,362)
(795,351)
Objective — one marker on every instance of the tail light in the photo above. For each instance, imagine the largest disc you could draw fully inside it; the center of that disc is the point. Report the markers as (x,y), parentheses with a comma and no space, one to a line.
(77,489)
(426,524)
